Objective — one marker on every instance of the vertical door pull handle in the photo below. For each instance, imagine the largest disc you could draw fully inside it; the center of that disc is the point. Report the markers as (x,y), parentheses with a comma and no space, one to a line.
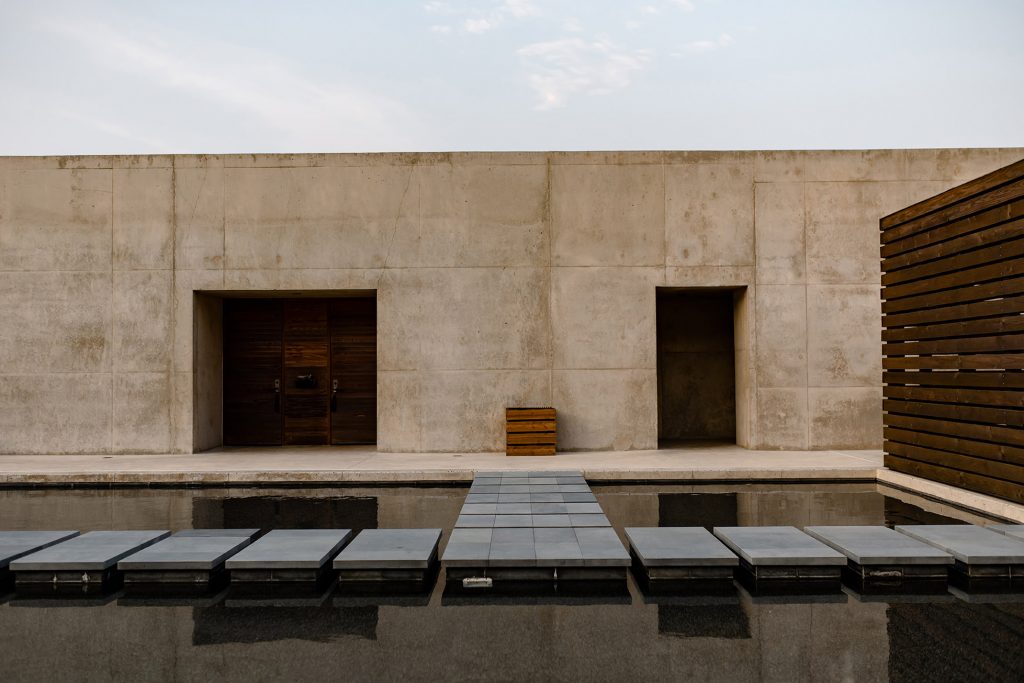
(334,396)
(277,395)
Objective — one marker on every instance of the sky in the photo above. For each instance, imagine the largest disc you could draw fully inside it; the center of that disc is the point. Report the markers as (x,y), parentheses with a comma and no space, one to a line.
(223,76)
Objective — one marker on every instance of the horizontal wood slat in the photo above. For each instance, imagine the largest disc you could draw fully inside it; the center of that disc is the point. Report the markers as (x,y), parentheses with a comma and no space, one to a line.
(953,336)
(530,431)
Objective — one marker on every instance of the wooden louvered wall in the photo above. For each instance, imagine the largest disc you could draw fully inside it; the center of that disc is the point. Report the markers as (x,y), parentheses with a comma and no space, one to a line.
(953,336)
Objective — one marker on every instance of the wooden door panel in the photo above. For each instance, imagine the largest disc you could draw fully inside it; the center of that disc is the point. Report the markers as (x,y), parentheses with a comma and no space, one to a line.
(306,372)
(252,363)
(353,326)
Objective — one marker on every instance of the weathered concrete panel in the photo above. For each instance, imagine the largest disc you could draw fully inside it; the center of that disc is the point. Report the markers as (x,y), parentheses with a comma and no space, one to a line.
(143,218)
(781,356)
(199,217)
(608,215)
(55,219)
(844,330)
(142,412)
(142,321)
(781,257)
(604,317)
(55,413)
(782,418)
(709,219)
(463,319)
(606,409)
(845,417)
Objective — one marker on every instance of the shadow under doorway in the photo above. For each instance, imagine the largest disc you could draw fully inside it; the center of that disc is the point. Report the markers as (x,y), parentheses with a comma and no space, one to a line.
(696,366)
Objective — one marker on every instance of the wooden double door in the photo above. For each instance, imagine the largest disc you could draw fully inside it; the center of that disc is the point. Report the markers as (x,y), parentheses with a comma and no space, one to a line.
(300,371)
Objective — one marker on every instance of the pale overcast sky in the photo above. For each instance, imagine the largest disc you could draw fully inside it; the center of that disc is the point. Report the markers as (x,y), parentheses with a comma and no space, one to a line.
(212,76)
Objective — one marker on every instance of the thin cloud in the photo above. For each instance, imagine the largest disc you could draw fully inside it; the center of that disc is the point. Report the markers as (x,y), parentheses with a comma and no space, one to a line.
(501,13)
(305,112)
(700,46)
(559,69)
(685,5)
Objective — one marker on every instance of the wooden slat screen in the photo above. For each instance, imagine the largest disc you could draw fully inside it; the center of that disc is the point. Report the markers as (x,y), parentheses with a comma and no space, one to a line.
(953,336)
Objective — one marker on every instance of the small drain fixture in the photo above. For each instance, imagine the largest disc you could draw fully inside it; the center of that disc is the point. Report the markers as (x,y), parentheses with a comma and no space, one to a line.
(478,582)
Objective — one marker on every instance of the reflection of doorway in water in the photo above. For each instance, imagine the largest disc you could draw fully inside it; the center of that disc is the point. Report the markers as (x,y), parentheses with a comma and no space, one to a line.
(283,512)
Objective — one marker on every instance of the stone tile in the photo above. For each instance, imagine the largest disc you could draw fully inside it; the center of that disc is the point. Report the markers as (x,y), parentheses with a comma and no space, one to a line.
(512,548)
(95,550)
(77,418)
(549,508)
(571,488)
(55,322)
(468,547)
(474,521)
(972,545)
(142,312)
(55,220)
(678,547)
(479,509)
(709,215)
(515,497)
(513,521)
(202,553)
(551,520)
(579,498)
(239,533)
(606,409)
(292,549)
(877,545)
(601,548)
(779,211)
(485,489)
(781,347)
(390,549)
(777,546)
(142,412)
(199,218)
(588,520)
(143,211)
(514,488)
(549,481)
(843,332)
(15,544)
(604,215)
(604,317)
(482,498)
(583,508)
(513,509)
(845,417)
(557,547)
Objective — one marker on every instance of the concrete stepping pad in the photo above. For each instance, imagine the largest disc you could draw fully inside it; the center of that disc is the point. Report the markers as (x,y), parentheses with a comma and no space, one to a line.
(680,553)
(979,553)
(388,555)
(193,556)
(288,555)
(782,553)
(877,555)
(90,559)
(15,544)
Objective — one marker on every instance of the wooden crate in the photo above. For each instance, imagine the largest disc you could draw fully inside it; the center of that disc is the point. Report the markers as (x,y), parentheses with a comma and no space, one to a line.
(530,431)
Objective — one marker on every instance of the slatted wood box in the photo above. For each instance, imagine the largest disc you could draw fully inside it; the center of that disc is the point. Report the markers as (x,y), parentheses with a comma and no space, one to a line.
(530,431)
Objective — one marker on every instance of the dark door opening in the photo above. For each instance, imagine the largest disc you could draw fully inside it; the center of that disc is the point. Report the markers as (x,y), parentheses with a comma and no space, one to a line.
(300,371)
(696,366)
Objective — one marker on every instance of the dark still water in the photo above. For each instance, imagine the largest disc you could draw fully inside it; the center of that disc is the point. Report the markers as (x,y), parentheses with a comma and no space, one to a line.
(453,635)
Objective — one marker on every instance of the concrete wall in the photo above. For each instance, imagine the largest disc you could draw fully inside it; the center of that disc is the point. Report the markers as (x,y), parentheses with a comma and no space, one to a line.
(502,279)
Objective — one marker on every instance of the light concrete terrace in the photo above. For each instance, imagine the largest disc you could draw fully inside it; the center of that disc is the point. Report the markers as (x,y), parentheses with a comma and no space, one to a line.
(316,464)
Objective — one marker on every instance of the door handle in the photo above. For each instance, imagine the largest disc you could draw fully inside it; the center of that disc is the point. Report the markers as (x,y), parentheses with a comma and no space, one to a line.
(277,395)
(334,396)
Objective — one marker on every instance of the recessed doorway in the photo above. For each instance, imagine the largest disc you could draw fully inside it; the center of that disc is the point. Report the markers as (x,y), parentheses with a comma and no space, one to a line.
(696,366)
(300,371)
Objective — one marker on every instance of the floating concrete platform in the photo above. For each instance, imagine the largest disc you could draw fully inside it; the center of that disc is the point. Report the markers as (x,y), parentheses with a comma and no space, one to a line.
(783,554)
(88,561)
(670,554)
(878,557)
(15,544)
(980,554)
(194,557)
(288,555)
(381,556)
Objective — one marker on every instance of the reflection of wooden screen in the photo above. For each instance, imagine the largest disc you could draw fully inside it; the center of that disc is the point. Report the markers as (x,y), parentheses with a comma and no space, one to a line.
(353,328)
(953,318)
(252,362)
